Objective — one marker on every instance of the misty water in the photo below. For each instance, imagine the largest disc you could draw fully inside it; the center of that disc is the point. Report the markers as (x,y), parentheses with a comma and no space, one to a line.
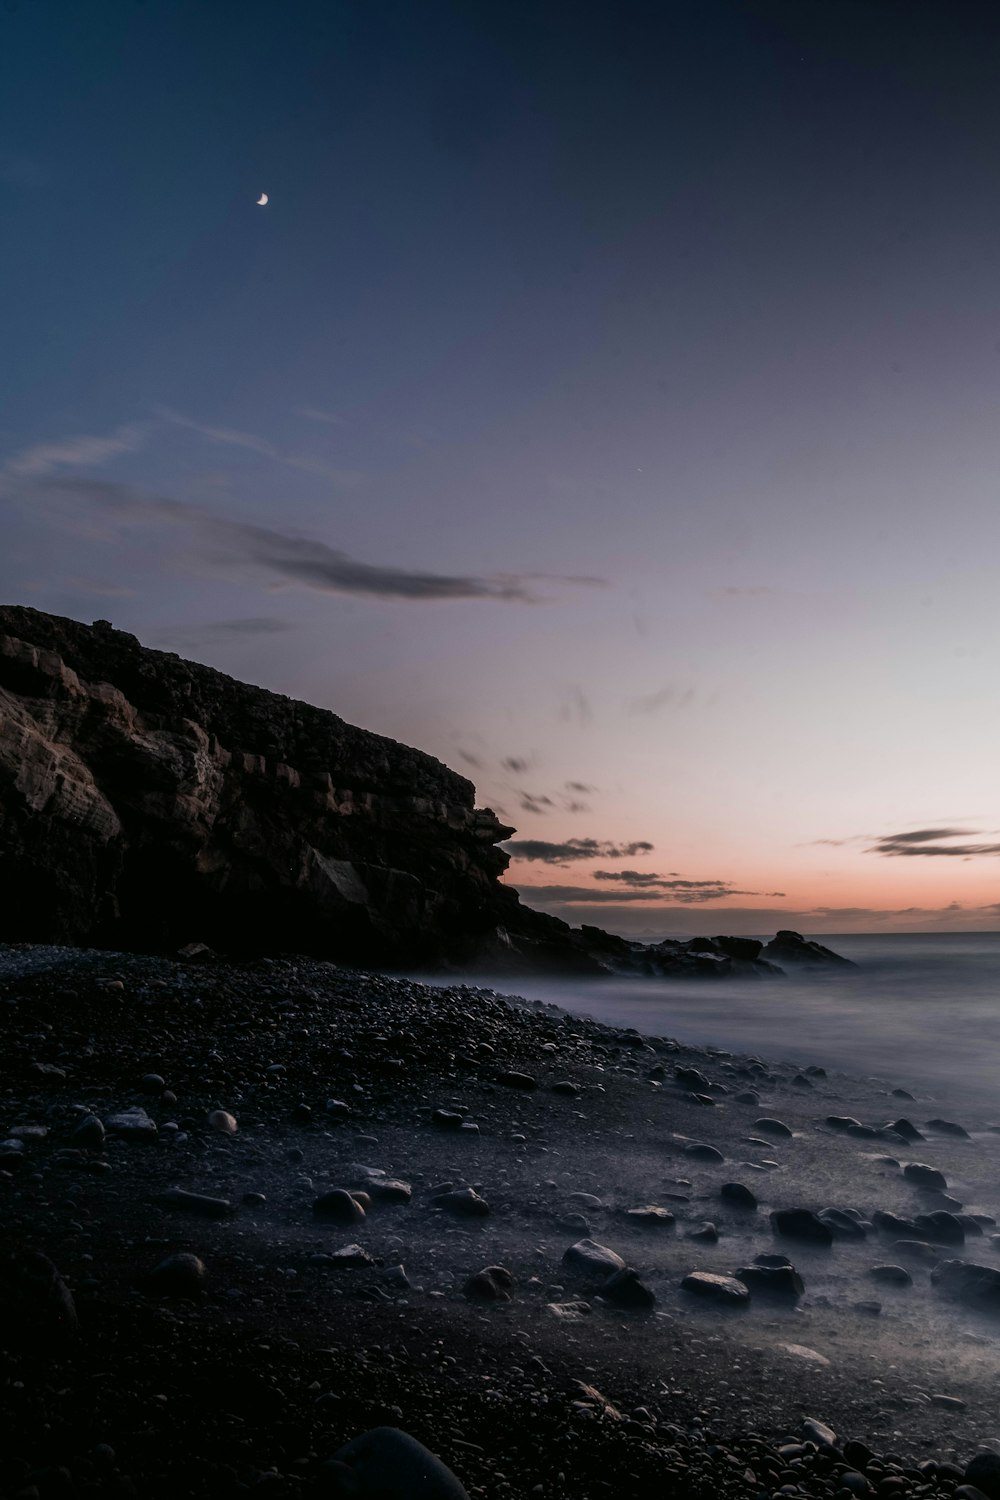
(919,1009)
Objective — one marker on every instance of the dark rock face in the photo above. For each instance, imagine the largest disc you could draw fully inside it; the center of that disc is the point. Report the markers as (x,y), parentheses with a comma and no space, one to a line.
(792,948)
(146,801)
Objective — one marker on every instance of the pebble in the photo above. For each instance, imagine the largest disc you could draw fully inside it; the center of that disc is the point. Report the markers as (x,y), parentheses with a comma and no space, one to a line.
(206,1207)
(738,1196)
(390,1465)
(776,1128)
(89,1135)
(222,1121)
(624,1289)
(465,1203)
(701,1151)
(131,1124)
(339,1207)
(925,1176)
(490,1285)
(181,1275)
(891,1275)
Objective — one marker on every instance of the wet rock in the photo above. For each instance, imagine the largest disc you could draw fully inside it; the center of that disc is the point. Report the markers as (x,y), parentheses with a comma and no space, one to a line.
(726,1290)
(705,1234)
(948,1127)
(37,1308)
(182,1275)
(347,1258)
(746,1096)
(447,1119)
(964,1281)
(522,1081)
(586,1200)
(892,1224)
(464,1203)
(841,1122)
(624,1289)
(801,1224)
(570,1312)
(781,1282)
(775,1128)
(131,1124)
(906,1129)
(338,1207)
(395,1276)
(918,1250)
(924,1176)
(89,1134)
(490,1285)
(253,1200)
(701,1151)
(179,1200)
(650,1216)
(891,1275)
(388,1190)
(565,1086)
(862,1132)
(222,1121)
(902,1094)
(984,1472)
(591,1259)
(843,1225)
(737,1196)
(818,1432)
(152,1083)
(692,1078)
(387,1464)
(940,1227)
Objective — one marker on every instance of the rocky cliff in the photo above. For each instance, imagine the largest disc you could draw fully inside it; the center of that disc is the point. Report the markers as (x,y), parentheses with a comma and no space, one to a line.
(146,801)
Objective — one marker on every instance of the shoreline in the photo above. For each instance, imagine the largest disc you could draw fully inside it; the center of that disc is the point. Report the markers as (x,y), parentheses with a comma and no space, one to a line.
(393,1052)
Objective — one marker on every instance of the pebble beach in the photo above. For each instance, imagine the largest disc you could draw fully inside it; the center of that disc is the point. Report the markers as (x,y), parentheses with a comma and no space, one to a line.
(250,1211)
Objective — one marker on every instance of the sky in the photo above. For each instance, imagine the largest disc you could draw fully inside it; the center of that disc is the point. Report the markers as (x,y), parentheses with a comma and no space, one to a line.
(606,401)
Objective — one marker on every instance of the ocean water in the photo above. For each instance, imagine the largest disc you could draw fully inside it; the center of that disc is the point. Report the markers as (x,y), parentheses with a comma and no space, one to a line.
(920,1009)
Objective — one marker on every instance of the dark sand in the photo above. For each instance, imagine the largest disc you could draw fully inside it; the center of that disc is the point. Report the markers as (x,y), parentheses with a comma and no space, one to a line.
(283,1357)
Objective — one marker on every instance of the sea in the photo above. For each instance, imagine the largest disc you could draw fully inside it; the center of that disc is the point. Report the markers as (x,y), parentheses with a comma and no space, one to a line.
(921,1010)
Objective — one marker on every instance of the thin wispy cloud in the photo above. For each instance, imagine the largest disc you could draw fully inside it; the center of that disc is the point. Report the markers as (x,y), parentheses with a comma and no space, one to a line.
(232,437)
(667,697)
(81,451)
(237,547)
(685,893)
(544,852)
(223,630)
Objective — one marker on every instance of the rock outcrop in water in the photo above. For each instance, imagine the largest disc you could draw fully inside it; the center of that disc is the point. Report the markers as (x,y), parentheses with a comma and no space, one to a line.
(148,802)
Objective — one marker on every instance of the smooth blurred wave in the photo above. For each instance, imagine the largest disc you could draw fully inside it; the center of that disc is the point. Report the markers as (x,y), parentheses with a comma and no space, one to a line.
(920,1009)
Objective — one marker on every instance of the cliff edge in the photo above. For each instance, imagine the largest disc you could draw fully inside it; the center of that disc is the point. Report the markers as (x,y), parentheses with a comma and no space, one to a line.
(147,801)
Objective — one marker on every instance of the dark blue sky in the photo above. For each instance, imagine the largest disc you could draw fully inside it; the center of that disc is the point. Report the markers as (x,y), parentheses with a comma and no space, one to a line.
(697,300)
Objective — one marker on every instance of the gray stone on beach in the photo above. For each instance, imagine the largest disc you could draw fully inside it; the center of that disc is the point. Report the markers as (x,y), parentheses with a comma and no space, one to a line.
(131,1124)
(624,1289)
(924,1175)
(181,1275)
(726,1290)
(801,1224)
(940,1227)
(387,1464)
(843,1225)
(948,1127)
(89,1134)
(737,1196)
(891,1275)
(775,1128)
(179,1200)
(701,1151)
(464,1203)
(706,1234)
(782,1282)
(592,1259)
(650,1216)
(490,1285)
(976,1286)
(338,1207)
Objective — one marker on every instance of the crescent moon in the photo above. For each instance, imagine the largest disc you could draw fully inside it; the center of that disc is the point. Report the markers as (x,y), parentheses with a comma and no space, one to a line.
(262,200)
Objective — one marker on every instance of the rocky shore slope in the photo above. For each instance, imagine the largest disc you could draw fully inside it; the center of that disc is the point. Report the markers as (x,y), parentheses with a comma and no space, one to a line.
(250,1211)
